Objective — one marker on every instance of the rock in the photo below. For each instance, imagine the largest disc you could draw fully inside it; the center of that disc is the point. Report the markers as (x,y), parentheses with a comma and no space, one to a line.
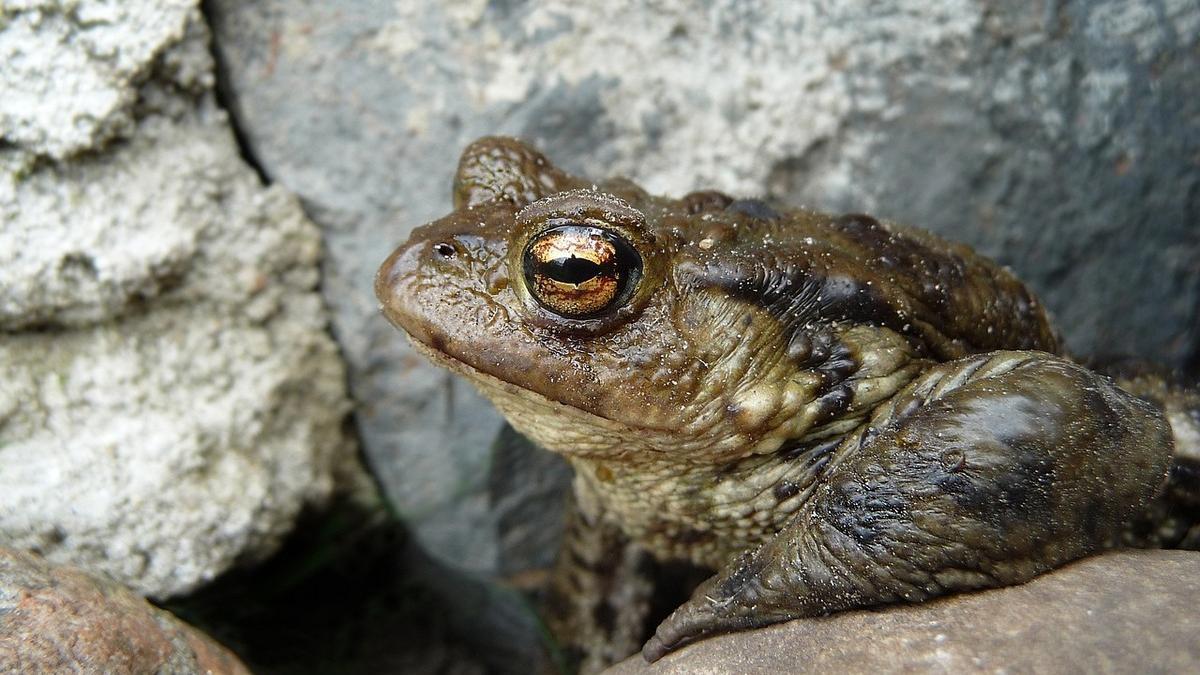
(72,70)
(169,396)
(1059,138)
(60,619)
(1127,611)
(529,489)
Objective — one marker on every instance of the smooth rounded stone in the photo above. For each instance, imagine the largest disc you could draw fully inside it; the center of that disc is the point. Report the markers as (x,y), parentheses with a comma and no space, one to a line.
(56,619)
(170,398)
(1122,612)
(1057,137)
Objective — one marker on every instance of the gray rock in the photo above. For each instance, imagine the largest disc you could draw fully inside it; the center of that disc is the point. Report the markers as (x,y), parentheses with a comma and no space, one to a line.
(529,489)
(72,70)
(169,397)
(1124,612)
(109,260)
(59,619)
(1058,137)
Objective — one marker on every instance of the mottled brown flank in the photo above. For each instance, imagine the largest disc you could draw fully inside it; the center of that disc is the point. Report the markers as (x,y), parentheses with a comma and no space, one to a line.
(832,411)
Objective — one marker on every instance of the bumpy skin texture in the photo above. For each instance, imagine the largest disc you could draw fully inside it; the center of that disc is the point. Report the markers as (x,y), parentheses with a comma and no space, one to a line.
(830,412)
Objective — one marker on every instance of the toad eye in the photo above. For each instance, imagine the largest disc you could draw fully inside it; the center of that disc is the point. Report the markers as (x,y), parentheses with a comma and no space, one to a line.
(579,271)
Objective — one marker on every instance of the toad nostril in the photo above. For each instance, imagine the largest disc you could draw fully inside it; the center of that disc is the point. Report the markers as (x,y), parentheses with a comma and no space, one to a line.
(445,250)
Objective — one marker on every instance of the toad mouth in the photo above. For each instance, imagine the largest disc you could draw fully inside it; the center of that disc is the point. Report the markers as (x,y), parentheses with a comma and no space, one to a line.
(516,402)
(488,382)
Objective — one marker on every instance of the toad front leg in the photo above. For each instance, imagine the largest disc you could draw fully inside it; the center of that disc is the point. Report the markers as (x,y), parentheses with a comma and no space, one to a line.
(984,472)
(600,594)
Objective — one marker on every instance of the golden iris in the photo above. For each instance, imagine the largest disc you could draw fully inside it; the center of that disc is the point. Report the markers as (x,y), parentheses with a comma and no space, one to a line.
(580,271)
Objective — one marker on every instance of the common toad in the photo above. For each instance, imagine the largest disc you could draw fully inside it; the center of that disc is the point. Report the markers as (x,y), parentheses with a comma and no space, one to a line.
(829,411)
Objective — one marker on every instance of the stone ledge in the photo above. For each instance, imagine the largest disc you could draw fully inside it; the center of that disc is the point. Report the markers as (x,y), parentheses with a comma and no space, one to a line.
(1126,611)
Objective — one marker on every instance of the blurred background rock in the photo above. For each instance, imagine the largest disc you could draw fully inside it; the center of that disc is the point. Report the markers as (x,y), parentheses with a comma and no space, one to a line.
(194,198)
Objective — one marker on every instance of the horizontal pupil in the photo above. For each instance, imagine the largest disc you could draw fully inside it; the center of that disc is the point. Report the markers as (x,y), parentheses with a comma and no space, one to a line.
(570,270)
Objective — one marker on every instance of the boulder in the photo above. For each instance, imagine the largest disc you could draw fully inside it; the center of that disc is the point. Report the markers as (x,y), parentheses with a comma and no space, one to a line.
(57,619)
(1123,612)
(170,397)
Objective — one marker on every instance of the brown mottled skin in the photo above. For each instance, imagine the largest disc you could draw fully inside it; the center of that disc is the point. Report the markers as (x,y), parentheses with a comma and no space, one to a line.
(829,411)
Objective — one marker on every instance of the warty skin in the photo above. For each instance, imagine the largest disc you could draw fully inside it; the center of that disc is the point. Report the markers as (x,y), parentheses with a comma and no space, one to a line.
(828,411)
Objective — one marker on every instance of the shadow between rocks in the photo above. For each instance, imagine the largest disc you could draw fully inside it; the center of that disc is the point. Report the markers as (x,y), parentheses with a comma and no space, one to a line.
(351,592)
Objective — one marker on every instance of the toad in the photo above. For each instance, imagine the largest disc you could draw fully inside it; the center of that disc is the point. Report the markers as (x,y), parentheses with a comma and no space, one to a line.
(828,412)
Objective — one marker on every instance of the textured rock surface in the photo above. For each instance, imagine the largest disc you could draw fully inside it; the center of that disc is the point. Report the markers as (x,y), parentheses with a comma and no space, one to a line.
(169,397)
(1061,138)
(59,619)
(72,69)
(1122,612)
